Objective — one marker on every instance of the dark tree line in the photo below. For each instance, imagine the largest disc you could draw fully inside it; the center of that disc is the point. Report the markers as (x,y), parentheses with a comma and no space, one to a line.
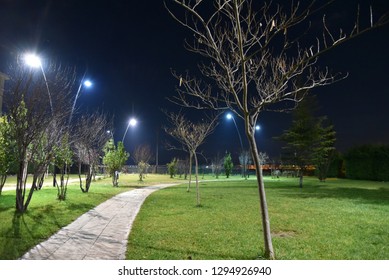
(368,162)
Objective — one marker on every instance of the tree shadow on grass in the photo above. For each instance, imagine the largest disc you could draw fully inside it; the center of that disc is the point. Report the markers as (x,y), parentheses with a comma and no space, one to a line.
(34,226)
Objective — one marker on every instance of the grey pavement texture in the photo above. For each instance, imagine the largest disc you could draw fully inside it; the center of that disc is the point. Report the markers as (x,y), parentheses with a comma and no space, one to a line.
(99,234)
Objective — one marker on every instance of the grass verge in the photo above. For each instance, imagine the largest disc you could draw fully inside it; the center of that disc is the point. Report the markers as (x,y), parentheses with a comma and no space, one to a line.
(46,215)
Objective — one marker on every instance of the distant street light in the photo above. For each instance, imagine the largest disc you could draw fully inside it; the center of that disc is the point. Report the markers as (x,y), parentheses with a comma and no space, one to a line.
(86,83)
(110,132)
(230,116)
(34,61)
(132,122)
(257,127)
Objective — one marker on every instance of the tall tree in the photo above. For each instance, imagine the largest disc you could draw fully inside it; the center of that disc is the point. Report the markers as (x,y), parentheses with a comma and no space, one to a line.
(191,135)
(31,117)
(254,54)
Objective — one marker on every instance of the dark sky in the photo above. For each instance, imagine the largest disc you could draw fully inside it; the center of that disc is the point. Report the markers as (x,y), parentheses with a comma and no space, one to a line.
(129,48)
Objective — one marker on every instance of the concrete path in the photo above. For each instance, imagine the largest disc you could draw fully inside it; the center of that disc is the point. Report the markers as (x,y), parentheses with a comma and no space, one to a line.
(100,234)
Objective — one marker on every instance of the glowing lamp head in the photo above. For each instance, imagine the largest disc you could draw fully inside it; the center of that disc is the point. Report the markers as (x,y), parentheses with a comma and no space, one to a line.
(229,116)
(88,83)
(32,60)
(132,122)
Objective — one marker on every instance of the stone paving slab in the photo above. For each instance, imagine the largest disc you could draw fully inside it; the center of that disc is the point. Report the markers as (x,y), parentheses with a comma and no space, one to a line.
(99,234)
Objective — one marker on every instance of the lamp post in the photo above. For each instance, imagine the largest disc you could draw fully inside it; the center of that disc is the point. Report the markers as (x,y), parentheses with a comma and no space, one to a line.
(34,61)
(132,122)
(230,116)
(85,83)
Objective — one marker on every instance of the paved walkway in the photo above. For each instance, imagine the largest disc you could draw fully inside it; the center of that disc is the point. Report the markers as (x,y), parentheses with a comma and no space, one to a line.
(100,234)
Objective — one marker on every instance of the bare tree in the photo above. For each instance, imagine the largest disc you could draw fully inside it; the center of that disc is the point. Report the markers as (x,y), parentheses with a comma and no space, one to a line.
(63,160)
(183,167)
(217,165)
(257,60)
(244,160)
(191,136)
(142,156)
(90,137)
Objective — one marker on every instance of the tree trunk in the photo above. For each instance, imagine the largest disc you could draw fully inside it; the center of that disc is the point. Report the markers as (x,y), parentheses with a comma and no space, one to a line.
(63,187)
(301,180)
(197,180)
(21,186)
(269,252)
(79,175)
(41,180)
(301,177)
(88,179)
(190,171)
(115,178)
(3,178)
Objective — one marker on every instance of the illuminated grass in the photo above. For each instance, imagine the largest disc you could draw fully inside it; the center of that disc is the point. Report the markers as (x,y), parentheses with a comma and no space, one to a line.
(339,219)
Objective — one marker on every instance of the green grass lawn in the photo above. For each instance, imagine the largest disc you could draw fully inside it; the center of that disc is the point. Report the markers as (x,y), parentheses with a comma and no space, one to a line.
(338,219)
(46,215)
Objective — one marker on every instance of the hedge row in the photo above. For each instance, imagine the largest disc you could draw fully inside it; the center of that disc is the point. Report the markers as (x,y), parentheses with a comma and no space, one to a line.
(368,162)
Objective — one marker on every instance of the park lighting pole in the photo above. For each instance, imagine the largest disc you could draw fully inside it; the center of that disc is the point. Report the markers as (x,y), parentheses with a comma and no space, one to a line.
(85,83)
(34,61)
(132,122)
(230,116)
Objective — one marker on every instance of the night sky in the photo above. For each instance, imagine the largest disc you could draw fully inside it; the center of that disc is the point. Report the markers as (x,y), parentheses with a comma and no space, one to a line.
(130,47)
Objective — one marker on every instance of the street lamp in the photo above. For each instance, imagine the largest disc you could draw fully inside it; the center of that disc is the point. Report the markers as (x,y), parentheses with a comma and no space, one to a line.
(230,116)
(34,61)
(85,83)
(132,122)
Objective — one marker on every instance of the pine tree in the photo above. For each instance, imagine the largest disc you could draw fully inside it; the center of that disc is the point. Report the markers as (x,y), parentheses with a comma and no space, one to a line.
(228,164)
(308,140)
